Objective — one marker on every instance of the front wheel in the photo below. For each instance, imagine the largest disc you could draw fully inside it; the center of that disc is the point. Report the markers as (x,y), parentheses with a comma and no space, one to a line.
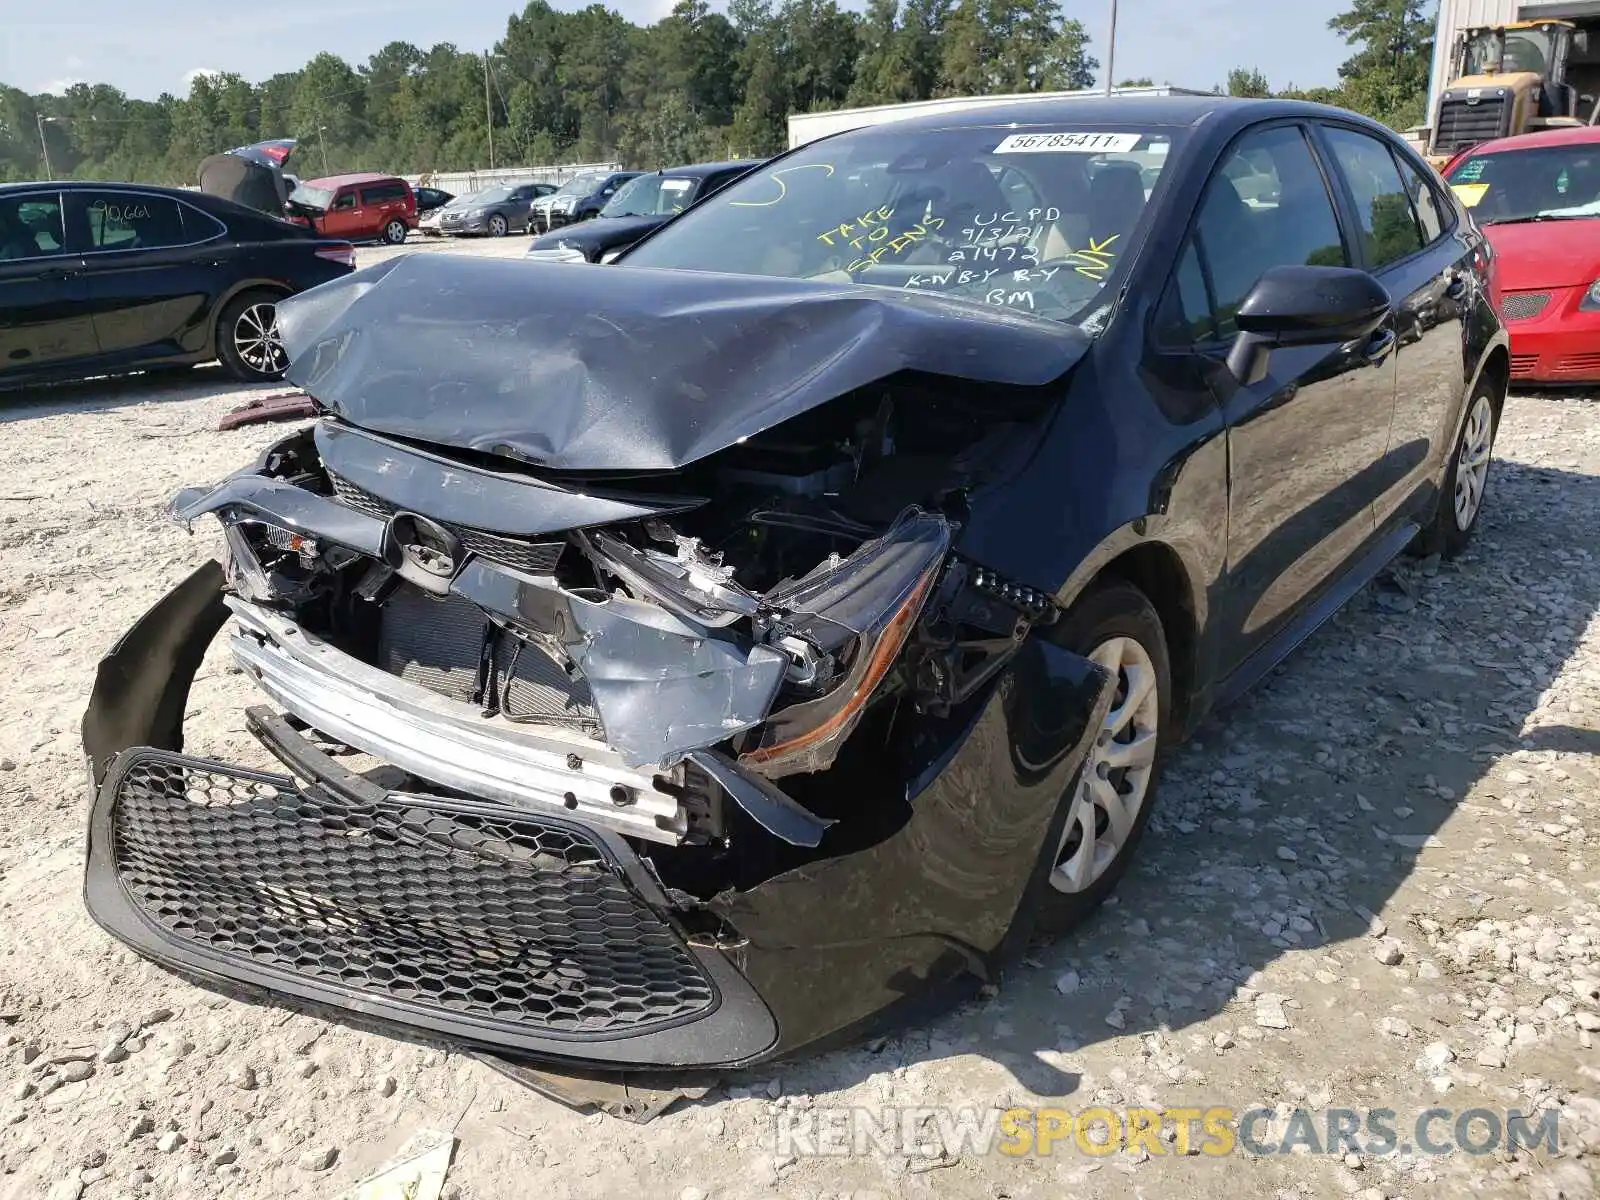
(1115,626)
(497,226)
(395,232)
(1466,481)
(248,343)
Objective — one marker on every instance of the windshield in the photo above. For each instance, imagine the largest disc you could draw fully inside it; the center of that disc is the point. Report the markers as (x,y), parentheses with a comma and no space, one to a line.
(580,185)
(488,196)
(1525,50)
(311,197)
(1033,221)
(1519,185)
(650,196)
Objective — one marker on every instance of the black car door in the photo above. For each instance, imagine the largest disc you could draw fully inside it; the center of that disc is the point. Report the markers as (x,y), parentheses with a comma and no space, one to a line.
(44,308)
(152,270)
(1428,274)
(1305,443)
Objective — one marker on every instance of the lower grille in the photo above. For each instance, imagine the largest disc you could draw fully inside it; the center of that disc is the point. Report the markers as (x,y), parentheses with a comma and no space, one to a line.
(1579,364)
(1523,365)
(1524,306)
(462,911)
(536,558)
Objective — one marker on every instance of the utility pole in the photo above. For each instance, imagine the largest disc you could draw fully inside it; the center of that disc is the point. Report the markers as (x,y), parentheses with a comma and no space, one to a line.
(322,140)
(488,109)
(1111,49)
(49,171)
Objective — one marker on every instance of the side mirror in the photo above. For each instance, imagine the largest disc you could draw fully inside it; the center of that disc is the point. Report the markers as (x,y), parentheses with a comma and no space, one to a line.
(1303,306)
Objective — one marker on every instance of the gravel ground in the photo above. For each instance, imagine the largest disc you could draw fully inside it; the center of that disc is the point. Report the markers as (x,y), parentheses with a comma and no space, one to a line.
(1370,885)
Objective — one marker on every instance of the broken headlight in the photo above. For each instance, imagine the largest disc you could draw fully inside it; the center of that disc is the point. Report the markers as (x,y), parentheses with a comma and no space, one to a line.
(858,612)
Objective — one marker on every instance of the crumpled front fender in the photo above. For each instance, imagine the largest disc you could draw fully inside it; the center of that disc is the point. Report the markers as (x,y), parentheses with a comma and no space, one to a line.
(839,941)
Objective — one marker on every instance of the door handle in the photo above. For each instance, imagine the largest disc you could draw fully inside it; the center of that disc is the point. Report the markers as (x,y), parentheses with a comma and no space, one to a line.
(1379,346)
(56,273)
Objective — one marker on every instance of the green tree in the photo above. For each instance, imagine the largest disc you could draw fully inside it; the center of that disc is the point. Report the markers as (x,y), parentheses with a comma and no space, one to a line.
(1248,82)
(1387,77)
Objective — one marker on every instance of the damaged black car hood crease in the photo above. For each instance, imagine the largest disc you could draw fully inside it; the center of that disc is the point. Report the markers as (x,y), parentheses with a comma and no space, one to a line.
(625,369)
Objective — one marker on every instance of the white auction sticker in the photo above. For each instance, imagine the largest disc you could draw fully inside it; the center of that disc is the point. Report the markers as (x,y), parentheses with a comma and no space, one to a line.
(1068,143)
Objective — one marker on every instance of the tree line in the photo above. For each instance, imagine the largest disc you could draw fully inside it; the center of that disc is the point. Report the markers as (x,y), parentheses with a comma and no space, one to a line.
(591,86)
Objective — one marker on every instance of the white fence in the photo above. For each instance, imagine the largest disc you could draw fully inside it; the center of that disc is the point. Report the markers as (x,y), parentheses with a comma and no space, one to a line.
(462,183)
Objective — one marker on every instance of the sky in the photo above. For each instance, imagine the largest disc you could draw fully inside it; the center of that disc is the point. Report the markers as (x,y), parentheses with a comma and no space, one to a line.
(154,46)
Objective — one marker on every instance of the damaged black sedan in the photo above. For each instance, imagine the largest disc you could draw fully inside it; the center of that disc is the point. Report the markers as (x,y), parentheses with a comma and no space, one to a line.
(687,661)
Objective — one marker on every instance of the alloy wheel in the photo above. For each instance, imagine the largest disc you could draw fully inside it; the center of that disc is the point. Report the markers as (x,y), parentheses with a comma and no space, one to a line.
(1472,467)
(1117,773)
(256,338)
(497,226)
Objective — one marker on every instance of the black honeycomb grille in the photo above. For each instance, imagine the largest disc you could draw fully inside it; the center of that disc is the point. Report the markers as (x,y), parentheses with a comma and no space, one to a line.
(536,558)
(497,917)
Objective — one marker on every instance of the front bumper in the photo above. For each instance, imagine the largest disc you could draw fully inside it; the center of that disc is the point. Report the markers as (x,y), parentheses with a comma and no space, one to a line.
(1558,342)
(544,937)
(465,225)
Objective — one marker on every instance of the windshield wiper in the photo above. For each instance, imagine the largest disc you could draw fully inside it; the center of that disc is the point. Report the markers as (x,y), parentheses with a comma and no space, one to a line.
(1535,217)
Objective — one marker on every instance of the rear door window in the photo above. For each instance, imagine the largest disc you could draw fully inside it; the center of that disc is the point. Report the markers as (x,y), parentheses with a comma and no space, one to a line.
(133,221)
(1383,204)
(382,193)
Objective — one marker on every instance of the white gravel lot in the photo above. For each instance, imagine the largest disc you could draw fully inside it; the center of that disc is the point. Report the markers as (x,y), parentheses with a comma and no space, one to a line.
(1372,884)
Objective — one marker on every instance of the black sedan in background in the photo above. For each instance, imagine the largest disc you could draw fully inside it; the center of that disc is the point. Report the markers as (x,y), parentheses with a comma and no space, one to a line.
(97,279)
(430,198)
(808,627)
(640,205)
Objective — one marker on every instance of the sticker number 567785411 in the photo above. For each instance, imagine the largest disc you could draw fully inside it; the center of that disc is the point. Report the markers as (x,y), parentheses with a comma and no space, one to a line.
(1075,142)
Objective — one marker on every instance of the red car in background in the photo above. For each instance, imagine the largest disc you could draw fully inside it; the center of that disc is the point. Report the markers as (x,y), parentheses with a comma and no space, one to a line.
(1537,198)
(356,208)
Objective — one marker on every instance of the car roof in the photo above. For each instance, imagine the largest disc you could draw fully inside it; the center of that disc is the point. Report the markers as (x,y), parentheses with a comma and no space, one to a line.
(339,181)
(1580,135)
(79,185)
(1083,112)
(697,170)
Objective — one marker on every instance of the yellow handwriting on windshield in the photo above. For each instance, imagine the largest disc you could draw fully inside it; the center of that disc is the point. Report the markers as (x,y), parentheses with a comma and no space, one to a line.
(783,188)
(893,246)
(1095,259)
(869,226)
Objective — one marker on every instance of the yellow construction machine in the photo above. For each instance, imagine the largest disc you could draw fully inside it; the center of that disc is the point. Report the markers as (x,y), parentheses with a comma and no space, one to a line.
(1514,78)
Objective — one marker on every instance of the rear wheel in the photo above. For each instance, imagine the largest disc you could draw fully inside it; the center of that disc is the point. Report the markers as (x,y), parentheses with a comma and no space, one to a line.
(1465,483)
(248,343)
(497,225)
(1116,626)
(395,232)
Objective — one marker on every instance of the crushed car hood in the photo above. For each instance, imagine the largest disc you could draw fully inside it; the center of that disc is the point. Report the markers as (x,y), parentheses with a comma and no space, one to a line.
(627,369)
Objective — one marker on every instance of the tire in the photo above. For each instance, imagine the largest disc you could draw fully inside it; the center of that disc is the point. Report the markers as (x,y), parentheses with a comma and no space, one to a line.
(1111,614)
(248,345)
(395,232)
(1466,479)
(497,225)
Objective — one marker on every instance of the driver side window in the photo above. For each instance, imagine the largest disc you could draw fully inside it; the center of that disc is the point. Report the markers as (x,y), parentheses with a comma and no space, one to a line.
(1287,219)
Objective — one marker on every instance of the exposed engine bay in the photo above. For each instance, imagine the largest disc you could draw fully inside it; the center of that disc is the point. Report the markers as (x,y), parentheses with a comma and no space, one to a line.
(733,627)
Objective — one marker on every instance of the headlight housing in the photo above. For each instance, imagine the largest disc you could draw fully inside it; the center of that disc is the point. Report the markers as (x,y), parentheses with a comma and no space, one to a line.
(1591,298)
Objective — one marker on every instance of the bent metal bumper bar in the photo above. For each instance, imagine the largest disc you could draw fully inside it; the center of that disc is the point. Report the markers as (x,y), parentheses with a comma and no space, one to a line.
(450,743)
